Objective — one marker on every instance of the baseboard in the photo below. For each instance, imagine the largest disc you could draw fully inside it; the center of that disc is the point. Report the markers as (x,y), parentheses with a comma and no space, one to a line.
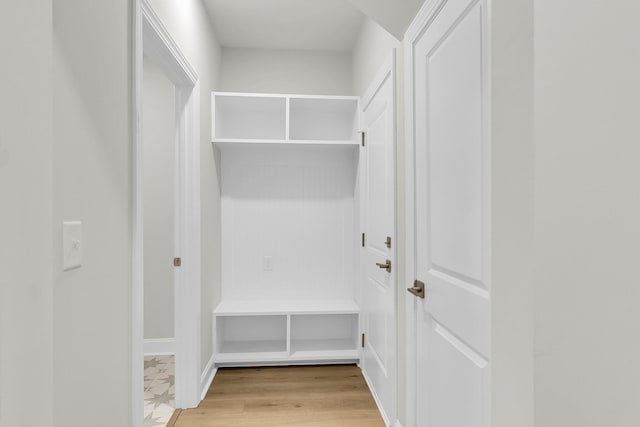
(159,346)
(174,418)
(385,418)
(398,424)
(207,377)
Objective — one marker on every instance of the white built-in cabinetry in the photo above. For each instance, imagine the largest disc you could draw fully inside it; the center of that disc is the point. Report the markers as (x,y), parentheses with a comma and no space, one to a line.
(290,229)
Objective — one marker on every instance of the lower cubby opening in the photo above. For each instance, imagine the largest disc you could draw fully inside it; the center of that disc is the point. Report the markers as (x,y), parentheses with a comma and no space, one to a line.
(251,334)
(320,333)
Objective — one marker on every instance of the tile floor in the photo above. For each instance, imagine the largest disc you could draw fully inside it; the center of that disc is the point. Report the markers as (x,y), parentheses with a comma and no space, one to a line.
(159,390)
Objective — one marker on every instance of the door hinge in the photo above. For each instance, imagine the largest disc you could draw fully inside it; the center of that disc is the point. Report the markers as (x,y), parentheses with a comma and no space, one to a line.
(363,239)
(363,340)
(177,262)
(362,138)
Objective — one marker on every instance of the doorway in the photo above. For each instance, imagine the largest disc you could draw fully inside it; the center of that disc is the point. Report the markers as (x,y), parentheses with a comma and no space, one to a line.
(158,128)
(154,43)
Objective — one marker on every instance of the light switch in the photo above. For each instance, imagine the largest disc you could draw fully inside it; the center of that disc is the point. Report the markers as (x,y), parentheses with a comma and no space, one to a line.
(72,244)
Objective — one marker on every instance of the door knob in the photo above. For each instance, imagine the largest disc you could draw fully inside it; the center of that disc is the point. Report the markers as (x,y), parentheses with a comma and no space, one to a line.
(417,289)
(386,265)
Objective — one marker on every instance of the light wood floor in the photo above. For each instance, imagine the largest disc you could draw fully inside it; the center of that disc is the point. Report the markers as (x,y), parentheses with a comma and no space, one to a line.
(301,396)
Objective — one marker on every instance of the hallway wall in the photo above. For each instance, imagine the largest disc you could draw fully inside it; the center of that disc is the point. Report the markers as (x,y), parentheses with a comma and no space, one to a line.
(91,183)
(26,234)
(285,71)
(587,193)
(512,256)
(188,23)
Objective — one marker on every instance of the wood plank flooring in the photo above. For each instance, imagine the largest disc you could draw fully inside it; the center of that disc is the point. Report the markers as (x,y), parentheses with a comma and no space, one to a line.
(301,396)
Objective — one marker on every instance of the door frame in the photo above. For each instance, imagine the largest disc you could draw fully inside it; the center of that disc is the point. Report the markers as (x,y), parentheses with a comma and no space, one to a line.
(421,22)
(387,71)
(415,30)
(152,39)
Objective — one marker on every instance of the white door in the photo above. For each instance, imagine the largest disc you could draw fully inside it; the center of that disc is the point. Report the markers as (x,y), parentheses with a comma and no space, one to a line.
(378,210)
(450,223)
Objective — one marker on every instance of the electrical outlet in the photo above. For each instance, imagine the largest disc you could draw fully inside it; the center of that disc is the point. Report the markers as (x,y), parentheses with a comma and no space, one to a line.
(267,263)
(71,244)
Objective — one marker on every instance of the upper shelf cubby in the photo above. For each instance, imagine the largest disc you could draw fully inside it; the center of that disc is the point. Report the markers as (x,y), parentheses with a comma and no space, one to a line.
(284,119)
(322,119)
(243,116)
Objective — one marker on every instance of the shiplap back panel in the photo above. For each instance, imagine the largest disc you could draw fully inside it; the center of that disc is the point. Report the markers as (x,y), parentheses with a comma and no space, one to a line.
(296,205)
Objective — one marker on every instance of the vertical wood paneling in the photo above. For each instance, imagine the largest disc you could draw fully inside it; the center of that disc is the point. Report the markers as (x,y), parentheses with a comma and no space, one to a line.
(296,205)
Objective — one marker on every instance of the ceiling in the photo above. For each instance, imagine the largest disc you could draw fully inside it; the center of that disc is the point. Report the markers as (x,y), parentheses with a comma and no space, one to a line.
(286,24)
(393,15)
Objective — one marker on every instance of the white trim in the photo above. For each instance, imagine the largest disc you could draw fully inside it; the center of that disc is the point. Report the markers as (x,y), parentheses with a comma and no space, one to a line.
(383,414)
(154,41)
(410,310)
(285,95)
(387,69)
(420,23)
(187,246)
(398,423)
(163,49)
(159,346)
(208,374)
(137,267)
(423,18)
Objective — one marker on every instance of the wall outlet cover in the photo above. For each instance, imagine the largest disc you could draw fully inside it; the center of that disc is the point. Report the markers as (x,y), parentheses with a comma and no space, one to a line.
(71,244)
(267,263)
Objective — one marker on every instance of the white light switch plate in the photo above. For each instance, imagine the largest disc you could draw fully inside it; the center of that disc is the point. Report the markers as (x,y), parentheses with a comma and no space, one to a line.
(72,244)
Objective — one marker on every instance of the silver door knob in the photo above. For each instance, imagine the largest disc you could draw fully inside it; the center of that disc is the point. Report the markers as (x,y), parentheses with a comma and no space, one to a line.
(417,289)
(386,265)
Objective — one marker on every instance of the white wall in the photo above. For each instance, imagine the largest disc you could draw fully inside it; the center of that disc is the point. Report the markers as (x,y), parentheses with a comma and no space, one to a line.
(26,151)
(158,129)
(285,71)
(587,187)
(92,183)
(373,47)
(189,25)
(512,213)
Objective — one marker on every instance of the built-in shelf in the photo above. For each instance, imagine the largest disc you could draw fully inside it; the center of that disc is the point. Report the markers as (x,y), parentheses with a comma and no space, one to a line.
(253,332)
(249,116)
(290,234)
(254,346)
(253,307)
(241,118)
(322,119)
(323,349)
(226,143)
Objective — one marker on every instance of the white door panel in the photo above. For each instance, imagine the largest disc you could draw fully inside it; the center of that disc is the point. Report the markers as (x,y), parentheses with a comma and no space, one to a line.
(451,217)
(455,392)
(378,210)
(454,111)
(459,310)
